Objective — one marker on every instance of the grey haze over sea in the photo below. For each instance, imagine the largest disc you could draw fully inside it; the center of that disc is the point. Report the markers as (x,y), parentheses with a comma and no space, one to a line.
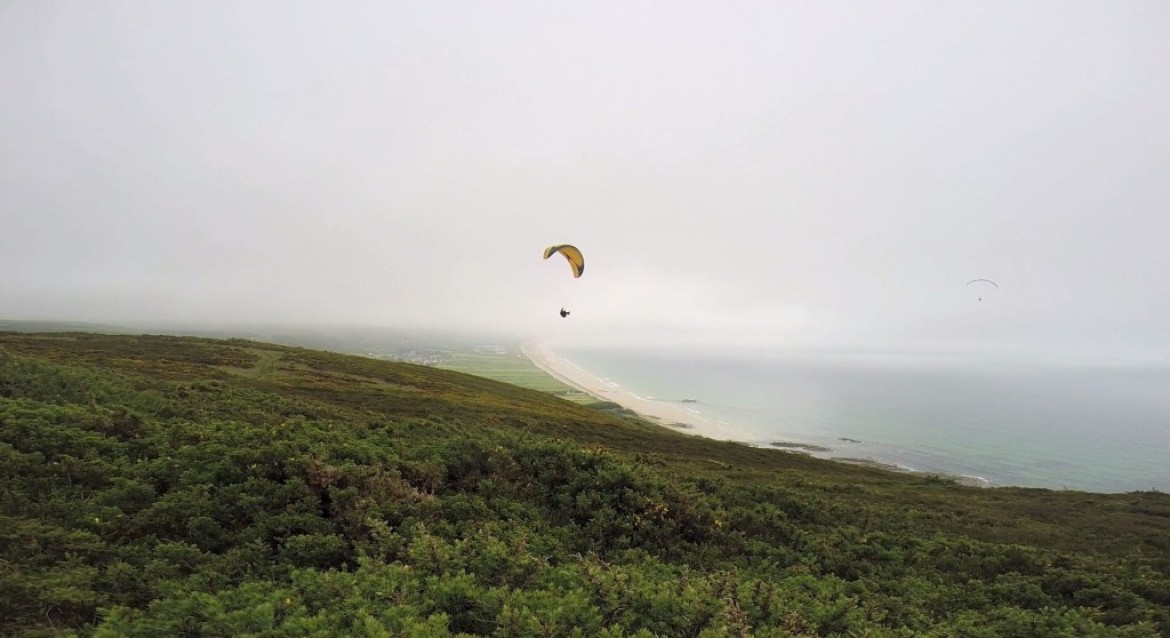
(1092,427)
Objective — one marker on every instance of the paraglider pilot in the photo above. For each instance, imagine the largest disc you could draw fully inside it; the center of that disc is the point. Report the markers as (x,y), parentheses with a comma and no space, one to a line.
(576,262)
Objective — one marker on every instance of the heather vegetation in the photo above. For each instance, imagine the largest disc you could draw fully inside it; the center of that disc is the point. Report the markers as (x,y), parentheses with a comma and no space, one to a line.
(165,486)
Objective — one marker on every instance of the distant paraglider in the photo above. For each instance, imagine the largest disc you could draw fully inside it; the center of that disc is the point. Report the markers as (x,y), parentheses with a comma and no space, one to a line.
(576,262)
(981,285)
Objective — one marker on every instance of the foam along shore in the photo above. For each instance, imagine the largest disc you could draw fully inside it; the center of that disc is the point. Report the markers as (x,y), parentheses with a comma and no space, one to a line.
(676,415)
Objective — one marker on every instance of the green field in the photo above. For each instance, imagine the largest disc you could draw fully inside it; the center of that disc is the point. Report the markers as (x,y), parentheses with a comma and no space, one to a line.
(512,367)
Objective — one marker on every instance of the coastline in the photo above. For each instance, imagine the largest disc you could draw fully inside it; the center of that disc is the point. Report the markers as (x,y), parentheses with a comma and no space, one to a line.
(676,416)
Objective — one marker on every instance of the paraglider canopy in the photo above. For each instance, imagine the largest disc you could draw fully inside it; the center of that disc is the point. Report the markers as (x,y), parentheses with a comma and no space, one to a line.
(981,284)
(575,258)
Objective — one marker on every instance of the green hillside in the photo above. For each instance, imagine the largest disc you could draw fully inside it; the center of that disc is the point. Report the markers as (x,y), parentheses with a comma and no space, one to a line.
(167,486)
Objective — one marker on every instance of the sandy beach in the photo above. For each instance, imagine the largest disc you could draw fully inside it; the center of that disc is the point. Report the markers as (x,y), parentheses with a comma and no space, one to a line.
(671,414)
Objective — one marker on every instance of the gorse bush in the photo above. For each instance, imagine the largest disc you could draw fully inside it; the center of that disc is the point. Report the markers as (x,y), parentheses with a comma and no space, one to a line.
(159,486)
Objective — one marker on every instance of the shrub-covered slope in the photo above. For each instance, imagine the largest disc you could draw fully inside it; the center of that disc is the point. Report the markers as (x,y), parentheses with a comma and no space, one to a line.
(163,486)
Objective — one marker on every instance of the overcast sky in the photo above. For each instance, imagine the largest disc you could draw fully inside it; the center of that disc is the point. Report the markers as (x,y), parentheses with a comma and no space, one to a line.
(793,173)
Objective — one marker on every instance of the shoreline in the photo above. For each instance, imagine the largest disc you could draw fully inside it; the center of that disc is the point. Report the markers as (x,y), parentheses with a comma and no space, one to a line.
(667,414)
(677,416)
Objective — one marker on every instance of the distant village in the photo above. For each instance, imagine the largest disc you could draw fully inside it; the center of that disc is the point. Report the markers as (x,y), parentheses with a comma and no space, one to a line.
(420,357)
(431,356)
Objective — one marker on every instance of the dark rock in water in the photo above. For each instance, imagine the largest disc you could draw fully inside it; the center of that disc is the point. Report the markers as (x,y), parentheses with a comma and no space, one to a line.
(800,446)
(847,439)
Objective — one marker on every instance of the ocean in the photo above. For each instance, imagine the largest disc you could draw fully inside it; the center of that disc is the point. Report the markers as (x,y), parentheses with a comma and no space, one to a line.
(1099,428)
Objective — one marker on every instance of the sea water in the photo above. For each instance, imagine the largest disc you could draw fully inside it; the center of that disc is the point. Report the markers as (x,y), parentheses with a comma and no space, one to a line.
(1101,428)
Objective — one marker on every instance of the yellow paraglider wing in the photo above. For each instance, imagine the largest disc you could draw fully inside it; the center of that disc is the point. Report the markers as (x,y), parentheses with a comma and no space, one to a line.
(574,256)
